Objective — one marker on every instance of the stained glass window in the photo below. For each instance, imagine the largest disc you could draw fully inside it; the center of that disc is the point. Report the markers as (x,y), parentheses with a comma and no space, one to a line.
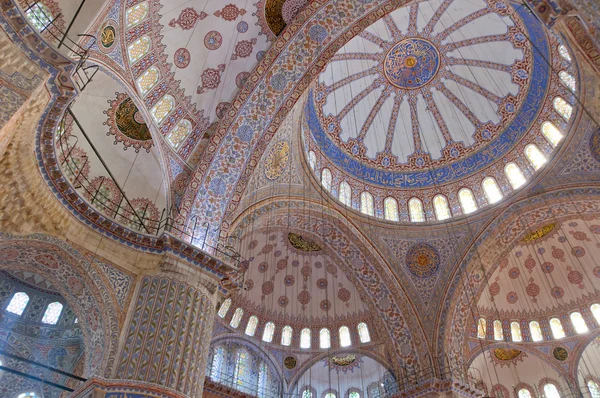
(557,329)
(391,209)
(18,303)
(39,15)
(268,332)
(550,391)
(578,323)
(136,14)
(307,394)
(326,179)
(179,133)
(354,394)
(515,331)
(535,156)
(515,175)
(481,328)
(467,201)
(324,338)
(366,204)
(499,392)
(363,333)
(218,363)
(312,160)
(563,108)
(305,338)
(498,333)
(52,313)
(492,190)
(251,326)
(330,395)
(224,308)
(442,210)
(241,367)
(148,80)
(286,336)
(524,393)
(552,134)
(562,50)
(568,80)
(415,208)
(237,318)
(28,395)
(138,48)
(263,379)
(345,195)
(595,308)
(345,340)
(594,389)
(536,331)
(163,107)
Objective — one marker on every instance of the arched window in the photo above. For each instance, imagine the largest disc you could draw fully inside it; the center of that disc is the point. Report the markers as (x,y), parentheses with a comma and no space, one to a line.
(345,194)
(391,209)
(52,313)
(467,201)
(550,391)
(563,108)
(326,179)
(324,338)
(218,363)
(363,333)
(148,80)
(578,323)
(251,326)
(481,328)
(138,49)
(535,156)
(241,368)
(286,336)
(178,135)
(18,303)
(30,394)
(415,209)
(163,107)
(552,134)
(330,395)
(136,14)
(515,331)
(263,379)
(562,50)
(268,332)
(498,333)
(345,340)
(492,190)
(224,308)
(557,329)
(594,389)
(307,393)
(237,318)
(312,160)
(442,210)
(354,394)
(595,308)
(568,80)
(39,15)
(524,393)
(514,175)
(366,204)
(305,338)
(536,331)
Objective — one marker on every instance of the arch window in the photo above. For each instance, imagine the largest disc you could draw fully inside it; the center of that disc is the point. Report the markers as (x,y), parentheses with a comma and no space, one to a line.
(564,53)
(535,156)
(363,333)
(568,80)
(286,336)
(307,393)
(391,209)
(305,338)
(563,108)
(241,368)
(263,377)
(515,175)
(163,107)
(178,135)
(18,303)
(594,389)
(595,308)
(498,332)
(467,201)
(330,395)
(515,331)
(148,80)
(224,308)
(39,15)
(552,134)
(492,190)
(366,204)
(326,179)
(218,363)
(268,332)
(345,340)
(481,328)
(52,313)
(251,326)
(30,394)
(579,323)
(415,208)
(557,328)
(550,391)
(354,394)
(312,160)
(138,49)
(345,195)
(524,393)
(237,318)
(324,338)
(136,14)
(442,210)
(536,331)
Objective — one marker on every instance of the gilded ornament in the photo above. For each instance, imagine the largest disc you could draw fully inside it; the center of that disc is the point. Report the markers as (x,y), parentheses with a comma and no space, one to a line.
(108,36)
(277,160)
(274,16)
(344,360)
(506,354)
(302,244)
(560,353)
(290,362)
(539,233)
(130,123)
(422,260)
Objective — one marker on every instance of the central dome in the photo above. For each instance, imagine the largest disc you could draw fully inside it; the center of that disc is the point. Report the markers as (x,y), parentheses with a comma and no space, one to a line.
(411,63)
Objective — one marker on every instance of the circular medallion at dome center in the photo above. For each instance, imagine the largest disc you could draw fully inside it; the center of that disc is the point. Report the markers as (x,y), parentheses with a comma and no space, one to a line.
(411,63)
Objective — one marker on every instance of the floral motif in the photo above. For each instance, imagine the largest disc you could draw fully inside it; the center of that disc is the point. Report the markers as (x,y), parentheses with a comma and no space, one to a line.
(230,12)
(422,260)
(213,40)
(211,78)
(182,58)
(127,124)
(243,49)
(188,18)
